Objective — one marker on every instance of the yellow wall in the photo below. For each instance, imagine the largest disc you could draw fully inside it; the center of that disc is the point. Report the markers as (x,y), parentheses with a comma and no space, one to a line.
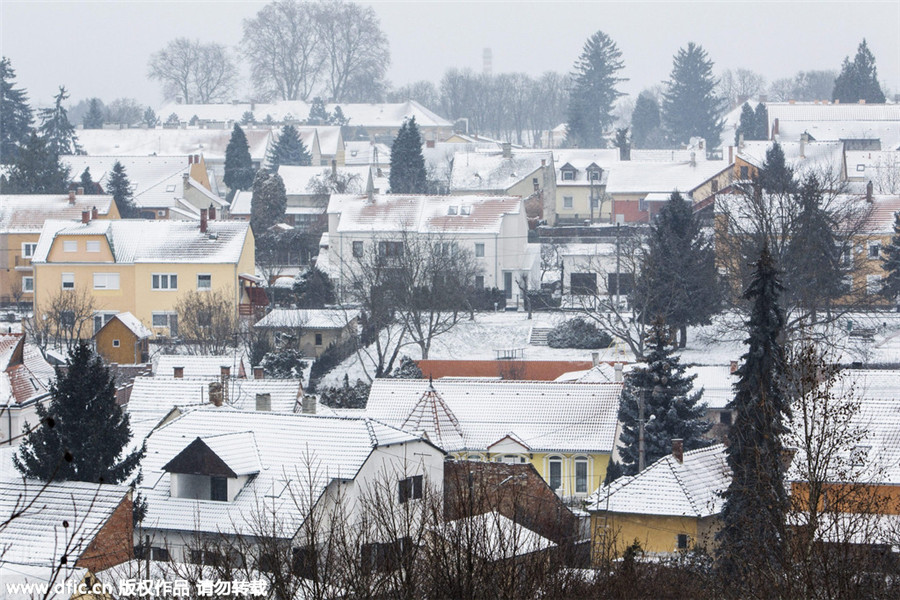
(581,195)
(655,533)
(129,350)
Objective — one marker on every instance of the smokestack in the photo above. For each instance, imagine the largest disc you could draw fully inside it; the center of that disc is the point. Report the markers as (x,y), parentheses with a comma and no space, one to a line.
(259,373)
(72,197)
(595,358)
(308,405)
(202,220)
(869,192)
(212,212)
(740,141)
(94,213)
(190,159)
(543,162)
(216,393)
(79,191)
(264,402)
(730,155)
(734,366)
(507,149)
(85,216)
(178,372)
(619,376)
(225,372)
(678,449)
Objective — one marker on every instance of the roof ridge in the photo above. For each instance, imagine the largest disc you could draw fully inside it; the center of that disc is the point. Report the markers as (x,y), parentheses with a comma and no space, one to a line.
(680,482)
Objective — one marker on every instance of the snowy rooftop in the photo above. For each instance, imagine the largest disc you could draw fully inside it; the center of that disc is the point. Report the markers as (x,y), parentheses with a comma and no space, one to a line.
(630,177)
(211,143)
(240,204)
(497,537)
(139,241)
(803,157)
(24,374)
(716,382)
(133,324)
(207,366)
(299,181)
(667,487)
(328,137)
(547,416)
(490,171)
(298,454)
(366,153)
(26,213)
(312,318)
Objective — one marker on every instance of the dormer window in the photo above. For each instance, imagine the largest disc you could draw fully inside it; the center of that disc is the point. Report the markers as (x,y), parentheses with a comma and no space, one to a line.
(568,175)
(594,175)
(465,210)
(594,172)
(451,210)
(214,468)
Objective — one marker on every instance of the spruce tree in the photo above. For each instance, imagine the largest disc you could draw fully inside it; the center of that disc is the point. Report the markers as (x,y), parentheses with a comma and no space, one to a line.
(761,116)
(37,170)
(594,92)
(407,162)
(247,118)
(678,279)
(93,119)
(15,115)
(890,263)
(289,150)
(690,106)
(752,541)
(746,128)
(269,202)
(83,433)
(238,165)
(314,289)
(150,118)
(775,175)
(623,143)
(858,80)
(671,411)
(119,188)
(644,120)
(318,114)
(58,132)
(87,182)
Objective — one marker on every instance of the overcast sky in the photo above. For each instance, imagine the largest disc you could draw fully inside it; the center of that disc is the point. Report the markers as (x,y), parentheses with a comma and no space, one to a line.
(101,48)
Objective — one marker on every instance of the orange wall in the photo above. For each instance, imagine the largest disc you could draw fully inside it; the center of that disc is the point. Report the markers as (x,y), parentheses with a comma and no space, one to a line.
(530,370)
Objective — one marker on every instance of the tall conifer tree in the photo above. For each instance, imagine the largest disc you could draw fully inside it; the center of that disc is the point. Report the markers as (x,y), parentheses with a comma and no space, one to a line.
(594,92)
(890,287)
(407,162)
(858,80)
(289,150)
(238,164)
(58,132)
(15,115)
(37,170)
(690,106)
(119,187)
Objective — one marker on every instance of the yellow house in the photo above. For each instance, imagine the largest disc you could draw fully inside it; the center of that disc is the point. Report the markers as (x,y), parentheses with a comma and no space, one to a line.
(566,431)
(123,340)
(142,267)
(672,505)
(21,219)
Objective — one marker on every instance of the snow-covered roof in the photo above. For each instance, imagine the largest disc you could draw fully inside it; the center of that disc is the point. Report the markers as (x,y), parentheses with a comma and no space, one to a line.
(630,177)
(211,143)
(581,160)
(492,172)
(329,138)
(803,157)
(366,153)
(133,324)
(241,203)
(493,536)
(308,318)
(402,213)
(298,454)
(205,366)
(717,382)
(547,416)
(26,213)
(882,168)
(298,181)
(668,487)
(237,450)
(24,374)
(139,241)
(602,373)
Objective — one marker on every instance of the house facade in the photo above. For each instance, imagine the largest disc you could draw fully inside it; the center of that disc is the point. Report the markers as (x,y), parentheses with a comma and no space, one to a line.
(311,331)
(123,339)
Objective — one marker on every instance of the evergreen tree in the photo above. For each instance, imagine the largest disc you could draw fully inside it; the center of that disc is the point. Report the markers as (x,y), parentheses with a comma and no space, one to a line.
(858,80)
(87,182)
(678,279)
(56,129)
(37,170)
(314,289)
(407,162)
(644,120)
(890,262)
(594,92)
(150,118)
(752,541)
(318,114)
(747,125)
(238,165)
(269,202)
(775,176)
(15,115)
(93,119)
(671,411)
(173,120)
(623,143)
(289,150)
(761,116)
(247,118)
(337,117)
(119,188)
(83,434)
(690,106)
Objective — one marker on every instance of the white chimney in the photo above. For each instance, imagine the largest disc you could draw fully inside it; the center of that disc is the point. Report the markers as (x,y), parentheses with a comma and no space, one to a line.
(308,405)
(264,402)
(619,376)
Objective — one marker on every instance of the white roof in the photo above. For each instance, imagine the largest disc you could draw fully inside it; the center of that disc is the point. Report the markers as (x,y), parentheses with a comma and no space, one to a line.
(204,366)
(139,241)
(309,318)
(547,416)
(299,455)
(241,203)
(329,138)
(26,381)
(717,383)
(602,373)
(27,213)
(630,177)
(211,143)
(237,450)
(298,181)
(667,487)
(495,537)
(366,153)
(490,171)
(134,325)
(817,156)
(401,213)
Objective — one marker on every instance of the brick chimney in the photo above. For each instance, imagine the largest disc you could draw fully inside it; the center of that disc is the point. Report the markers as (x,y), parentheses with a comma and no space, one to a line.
(308,405)
(212,212)
(429,143)
(595,358)
(225,372)
(259,373)
(507,149)
(619,377)
(79,191)
(94,213)
(264,402)
(85,216)
(202,220)
(178,372)
(734,367)
(190,159)
(678,449)
(72,197)
(196,159)
(216,393)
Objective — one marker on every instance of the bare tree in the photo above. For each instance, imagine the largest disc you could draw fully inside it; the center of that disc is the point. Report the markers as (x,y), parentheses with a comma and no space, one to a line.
(207,321)
(62,320)
(194,71)
(740,85)
(215,73)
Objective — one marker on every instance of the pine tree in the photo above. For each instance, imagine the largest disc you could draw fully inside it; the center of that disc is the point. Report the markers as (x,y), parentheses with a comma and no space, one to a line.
(746,128)
(690,106)
(238,165)
(890,263)
(83,434)
(858,80)
(247,118)
(314,289)
(678,279)
(87,182)
(56,129)
(671,411)
(119,188)
(594,92)
(37,170)
(775,176)
(318,114)
(752,540)
(289,150)
(337,117)
(407,162)
(761,116)
(93,119)
(15,115)
(644,120)
(269,202)
(150,118)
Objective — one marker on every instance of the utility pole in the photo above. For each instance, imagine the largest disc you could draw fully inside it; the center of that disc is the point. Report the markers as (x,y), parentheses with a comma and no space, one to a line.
(617,266)
(641,431)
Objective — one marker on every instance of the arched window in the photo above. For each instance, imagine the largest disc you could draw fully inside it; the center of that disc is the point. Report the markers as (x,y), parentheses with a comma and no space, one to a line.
(555,477)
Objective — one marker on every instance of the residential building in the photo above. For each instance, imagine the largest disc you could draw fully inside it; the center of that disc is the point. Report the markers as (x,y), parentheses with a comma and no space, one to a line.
(203,366)
(122,339)
(367,153)
(581,177)
(805,157)
(25,379)
(21,219)
(308,330)
(566,431)
(329,144)
(832,121)
(142,267)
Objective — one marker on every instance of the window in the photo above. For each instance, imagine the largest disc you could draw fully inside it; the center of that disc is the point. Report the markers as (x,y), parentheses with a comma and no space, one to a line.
(106,281)
(70,246)
(169,320)
(555,473)
(479,250)
(28,249)
(318,339)
(304,562)
(479,282)
(392,249)
(715,185)
(581,475)
(157,553)
(68,281)
(451,210)
(465,210)
(568,175)
(745,172)
(567,201)
(357,249)
(160,213)
(67,318)
(860,168)
(28,284)
(873,284)
(101,319)
(218,489)
(583,284)
(170,187)
(410,488)
(595,202)
(507,284)
(725,417)
(846,255)
(682,541)
(92,245)
(204,282)
(874,250)
(165,281)
(594,175)
(445,249)
(116,343)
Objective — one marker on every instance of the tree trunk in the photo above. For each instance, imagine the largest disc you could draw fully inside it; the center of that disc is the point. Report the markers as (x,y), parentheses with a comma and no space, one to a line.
(682,336)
